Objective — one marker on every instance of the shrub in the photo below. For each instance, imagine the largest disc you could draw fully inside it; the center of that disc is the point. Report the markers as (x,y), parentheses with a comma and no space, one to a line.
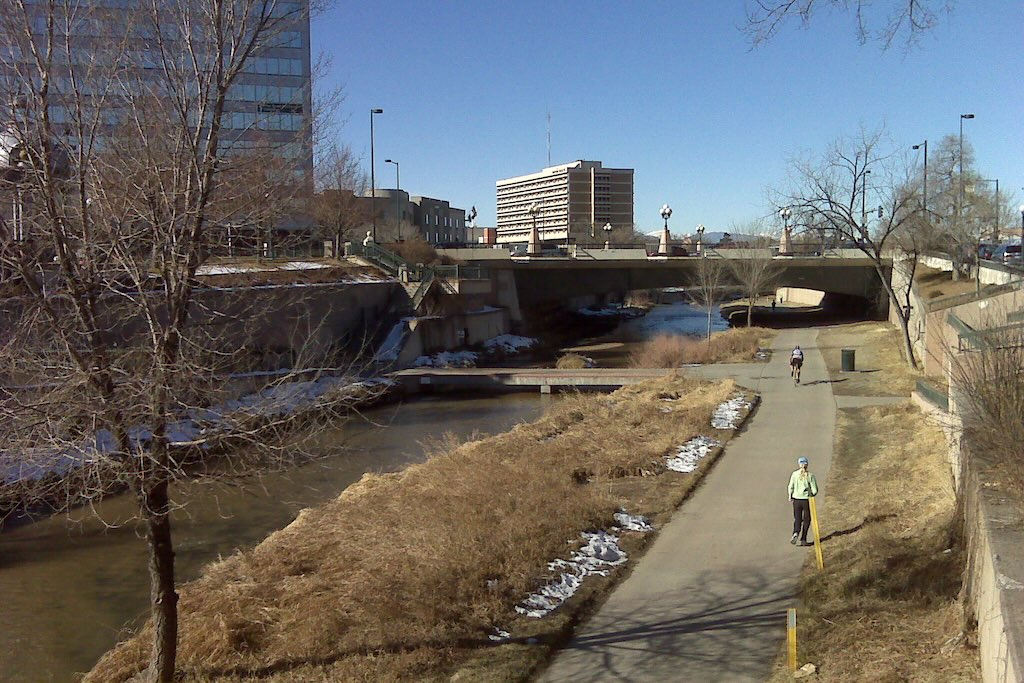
(574,361)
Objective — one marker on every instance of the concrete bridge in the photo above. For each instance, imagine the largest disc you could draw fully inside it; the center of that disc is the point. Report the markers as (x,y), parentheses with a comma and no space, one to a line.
(848,277)
(547,380)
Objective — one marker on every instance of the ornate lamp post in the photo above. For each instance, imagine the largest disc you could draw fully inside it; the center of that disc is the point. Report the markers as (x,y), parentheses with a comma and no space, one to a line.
(533,246)
(700,237)
(666,213)
(607,235)
(786,244)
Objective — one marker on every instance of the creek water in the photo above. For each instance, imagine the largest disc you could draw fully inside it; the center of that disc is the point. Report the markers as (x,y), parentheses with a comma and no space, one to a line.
(71,585)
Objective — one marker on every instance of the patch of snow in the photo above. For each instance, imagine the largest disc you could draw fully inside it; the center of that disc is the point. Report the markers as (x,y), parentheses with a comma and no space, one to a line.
(632,522)
(599,553)
(509,343)
(690,454)
(1006,583)
(392,346)
(447,359)
(728,414)
(500,636)
(259,268)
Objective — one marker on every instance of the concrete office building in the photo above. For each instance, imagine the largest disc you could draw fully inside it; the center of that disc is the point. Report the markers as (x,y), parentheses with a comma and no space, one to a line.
(573,203)
(268,108)
(401,215)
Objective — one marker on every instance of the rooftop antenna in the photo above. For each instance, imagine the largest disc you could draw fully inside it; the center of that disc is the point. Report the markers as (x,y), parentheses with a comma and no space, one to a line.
(549,137)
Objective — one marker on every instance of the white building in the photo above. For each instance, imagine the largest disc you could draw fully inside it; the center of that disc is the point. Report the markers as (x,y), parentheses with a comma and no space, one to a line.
(570,203)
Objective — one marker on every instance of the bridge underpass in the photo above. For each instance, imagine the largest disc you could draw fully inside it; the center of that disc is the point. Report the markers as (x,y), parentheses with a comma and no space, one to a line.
(848,281)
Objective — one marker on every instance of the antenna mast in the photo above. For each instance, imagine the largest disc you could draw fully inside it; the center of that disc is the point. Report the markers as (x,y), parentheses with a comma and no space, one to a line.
(549,138)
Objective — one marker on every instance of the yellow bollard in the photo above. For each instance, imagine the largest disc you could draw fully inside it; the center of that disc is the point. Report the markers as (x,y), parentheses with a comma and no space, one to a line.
(817,534)
(791,637)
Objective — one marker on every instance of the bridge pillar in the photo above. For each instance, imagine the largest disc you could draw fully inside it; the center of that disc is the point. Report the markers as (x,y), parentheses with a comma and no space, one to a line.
(663,244)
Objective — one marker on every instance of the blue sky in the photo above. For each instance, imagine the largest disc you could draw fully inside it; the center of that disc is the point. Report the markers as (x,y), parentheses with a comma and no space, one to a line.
(670,89)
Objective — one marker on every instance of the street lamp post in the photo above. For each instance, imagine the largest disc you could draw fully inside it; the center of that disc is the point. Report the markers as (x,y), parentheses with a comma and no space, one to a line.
(786,244)
(925,200)
(398,178)
(607,235)
(666,213)
(960,209)
(700,236)
(863,203)
(373,178)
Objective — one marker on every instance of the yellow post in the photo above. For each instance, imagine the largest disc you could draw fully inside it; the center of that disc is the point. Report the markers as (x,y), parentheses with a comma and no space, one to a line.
(791,637)
(817,534)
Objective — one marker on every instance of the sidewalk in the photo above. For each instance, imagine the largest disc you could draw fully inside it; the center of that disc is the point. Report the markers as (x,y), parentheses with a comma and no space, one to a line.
(707,602)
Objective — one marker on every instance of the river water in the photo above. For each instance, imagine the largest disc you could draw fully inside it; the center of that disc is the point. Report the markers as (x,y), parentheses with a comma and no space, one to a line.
(68,587)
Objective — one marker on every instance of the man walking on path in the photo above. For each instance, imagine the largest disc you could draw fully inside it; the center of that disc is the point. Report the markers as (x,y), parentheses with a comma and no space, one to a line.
(802,487)
(707,601)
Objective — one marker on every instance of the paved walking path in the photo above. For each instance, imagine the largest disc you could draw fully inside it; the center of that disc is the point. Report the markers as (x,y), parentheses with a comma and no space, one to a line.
(707,602)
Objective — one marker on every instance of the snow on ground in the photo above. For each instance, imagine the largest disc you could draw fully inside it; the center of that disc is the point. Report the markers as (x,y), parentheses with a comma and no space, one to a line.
(509,343)
(259,267)
(392,346)
(447,359)
(690,454)
(599,553)
(728,414)
(277,400)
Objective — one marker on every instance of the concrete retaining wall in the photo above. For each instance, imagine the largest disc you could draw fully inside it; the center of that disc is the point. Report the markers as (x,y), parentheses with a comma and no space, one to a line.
(808,297)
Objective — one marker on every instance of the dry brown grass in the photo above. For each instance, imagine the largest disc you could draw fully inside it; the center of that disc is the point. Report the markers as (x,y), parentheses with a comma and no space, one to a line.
(886,602)
(673,350)
(881,370)
(572,361)
(404,575)
(931,283)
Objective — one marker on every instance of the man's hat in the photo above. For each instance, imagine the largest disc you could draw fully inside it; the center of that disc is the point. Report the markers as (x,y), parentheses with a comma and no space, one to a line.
(801,461)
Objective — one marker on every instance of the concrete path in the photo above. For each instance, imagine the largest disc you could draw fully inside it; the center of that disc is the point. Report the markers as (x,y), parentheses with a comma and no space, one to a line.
(708,600)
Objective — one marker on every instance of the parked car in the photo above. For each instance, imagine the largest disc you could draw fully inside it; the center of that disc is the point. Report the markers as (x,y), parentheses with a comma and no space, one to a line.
(1007,253)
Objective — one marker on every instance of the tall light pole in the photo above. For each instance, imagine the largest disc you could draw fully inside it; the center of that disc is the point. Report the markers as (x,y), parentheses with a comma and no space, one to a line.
(398,178)
(607,235)
(533,246)
(960,210)
(925,201)
(373,177)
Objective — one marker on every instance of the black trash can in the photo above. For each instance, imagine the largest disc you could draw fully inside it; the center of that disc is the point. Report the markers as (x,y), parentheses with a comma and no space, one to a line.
(849,360)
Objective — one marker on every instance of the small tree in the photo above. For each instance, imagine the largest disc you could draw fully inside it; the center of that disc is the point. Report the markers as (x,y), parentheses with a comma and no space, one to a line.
(753,267)
(708,276)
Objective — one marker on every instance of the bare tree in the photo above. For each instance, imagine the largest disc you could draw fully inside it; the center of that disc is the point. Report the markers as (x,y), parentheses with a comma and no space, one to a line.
(830,191)
(753,266)
(131,161)
(705,290)
(904,21)
(339,208)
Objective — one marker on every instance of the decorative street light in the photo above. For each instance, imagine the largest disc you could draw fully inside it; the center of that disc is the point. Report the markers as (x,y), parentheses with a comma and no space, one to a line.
(533,246)
(786,245)
(373,179)
(700,236)
(666,213)
(925,200)
(607,235)
(398,181)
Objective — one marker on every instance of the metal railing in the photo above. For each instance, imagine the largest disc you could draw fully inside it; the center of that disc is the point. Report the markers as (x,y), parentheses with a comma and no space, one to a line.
(933,395)
(413,272)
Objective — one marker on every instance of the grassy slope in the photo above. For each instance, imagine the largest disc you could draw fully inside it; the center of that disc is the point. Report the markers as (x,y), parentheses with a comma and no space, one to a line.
(885,605)
(404,576)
